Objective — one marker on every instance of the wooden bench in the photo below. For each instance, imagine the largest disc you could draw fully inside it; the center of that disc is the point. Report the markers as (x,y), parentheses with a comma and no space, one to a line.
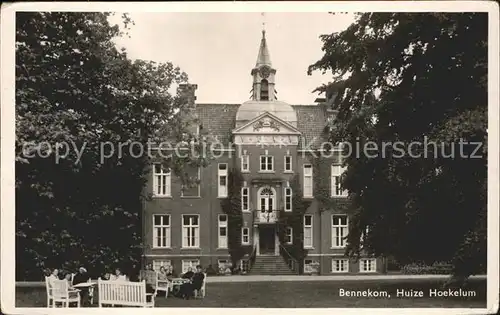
(124,293)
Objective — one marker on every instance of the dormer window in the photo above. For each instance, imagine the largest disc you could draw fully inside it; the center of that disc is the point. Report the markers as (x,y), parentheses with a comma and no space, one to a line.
(264,90)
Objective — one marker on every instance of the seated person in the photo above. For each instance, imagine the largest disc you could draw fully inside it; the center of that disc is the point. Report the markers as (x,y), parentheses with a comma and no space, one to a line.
(170,273)
(106,276)
(163,279)
(149,276)
(53,276)
(118,276)
(67,277)
(189,274)
(82,277)
(162,275)
(187,289)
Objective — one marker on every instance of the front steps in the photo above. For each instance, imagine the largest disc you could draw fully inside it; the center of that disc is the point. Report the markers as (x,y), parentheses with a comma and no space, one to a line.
(270,265)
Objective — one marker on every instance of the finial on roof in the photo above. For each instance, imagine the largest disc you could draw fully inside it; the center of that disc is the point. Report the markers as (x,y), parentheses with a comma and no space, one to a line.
(263,24)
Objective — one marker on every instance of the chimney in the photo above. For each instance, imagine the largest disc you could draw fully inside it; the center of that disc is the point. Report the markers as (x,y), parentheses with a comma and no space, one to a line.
(188,91)
(331,95)
(331,112)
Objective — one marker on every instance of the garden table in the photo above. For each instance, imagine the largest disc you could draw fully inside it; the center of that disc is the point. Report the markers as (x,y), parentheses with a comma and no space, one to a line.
(89,287)
(177,282)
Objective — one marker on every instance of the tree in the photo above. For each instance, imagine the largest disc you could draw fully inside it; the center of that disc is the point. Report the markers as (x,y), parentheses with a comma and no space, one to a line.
(231,206)
(294,220)
(414,77)
(83,113)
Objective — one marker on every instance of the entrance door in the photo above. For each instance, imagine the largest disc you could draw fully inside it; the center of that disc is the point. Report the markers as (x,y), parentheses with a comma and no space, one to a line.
(267,239)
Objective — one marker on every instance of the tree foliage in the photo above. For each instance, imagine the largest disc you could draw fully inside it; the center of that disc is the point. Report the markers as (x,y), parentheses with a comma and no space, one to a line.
(231,206)
(414,77)
(76,92)
(294,220)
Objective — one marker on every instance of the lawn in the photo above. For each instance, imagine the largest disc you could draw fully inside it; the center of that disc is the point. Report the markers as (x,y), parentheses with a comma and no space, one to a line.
(303,294)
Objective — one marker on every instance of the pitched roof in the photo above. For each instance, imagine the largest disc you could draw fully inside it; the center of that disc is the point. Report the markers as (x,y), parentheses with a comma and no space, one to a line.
(311,123)
(220,120)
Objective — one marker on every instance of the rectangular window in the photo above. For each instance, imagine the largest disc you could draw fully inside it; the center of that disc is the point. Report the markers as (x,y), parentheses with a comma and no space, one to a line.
(245,199)
(245,236)
(288,235)
(368,265)
(266,163)
(190,231)
(288,163)
(245,163)
(161,181)
(308,181)
(308,231)
(288,199)
(192,189)
(222,231)
(189,263)
(336,189)
(340,228)
(340,265)
(157,264)
(161,230)
(222,180)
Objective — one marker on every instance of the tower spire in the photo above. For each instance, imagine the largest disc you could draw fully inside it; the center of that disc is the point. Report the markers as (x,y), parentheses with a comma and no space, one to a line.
(263,72)
(263,58)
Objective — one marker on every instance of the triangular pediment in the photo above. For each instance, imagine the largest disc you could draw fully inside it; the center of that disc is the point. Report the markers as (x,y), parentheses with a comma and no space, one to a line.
(266,123)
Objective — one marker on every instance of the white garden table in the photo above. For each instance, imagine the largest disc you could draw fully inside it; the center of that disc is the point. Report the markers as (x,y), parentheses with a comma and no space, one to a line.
(87,285)
(177,282)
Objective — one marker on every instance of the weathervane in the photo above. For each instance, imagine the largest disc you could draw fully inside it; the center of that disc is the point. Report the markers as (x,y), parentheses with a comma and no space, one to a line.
(263,22)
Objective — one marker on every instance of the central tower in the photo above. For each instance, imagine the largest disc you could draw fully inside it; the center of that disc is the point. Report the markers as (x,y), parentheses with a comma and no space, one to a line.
(263,74)
(263,98)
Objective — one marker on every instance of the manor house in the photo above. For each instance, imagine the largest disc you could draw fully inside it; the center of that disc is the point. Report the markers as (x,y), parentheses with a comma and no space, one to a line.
(269,142)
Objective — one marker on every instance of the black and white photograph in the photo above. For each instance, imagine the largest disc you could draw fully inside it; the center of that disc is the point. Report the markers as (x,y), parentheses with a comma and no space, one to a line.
(323,156)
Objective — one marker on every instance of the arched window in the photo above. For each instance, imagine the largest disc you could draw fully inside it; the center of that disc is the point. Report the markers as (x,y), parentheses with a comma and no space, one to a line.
(266,199)
(264,90)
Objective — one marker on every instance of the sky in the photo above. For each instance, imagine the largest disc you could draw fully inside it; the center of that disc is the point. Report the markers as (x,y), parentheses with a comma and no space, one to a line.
(218,50)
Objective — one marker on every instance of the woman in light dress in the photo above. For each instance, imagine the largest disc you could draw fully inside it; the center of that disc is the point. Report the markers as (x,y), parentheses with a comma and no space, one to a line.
(162,275)
(53,276)
(118,276)
(163,281)
(67,277)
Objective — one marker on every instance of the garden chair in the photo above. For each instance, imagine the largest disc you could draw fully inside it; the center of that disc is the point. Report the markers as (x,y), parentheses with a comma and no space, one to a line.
(61,293)
(49,292)
(162,285)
